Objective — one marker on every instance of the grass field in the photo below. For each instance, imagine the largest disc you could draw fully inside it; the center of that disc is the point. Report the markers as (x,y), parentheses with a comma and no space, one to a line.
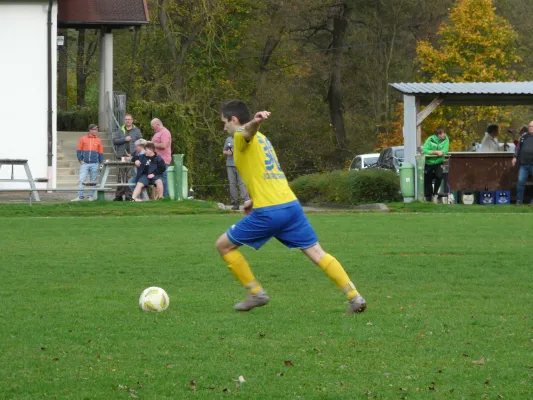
(450,310)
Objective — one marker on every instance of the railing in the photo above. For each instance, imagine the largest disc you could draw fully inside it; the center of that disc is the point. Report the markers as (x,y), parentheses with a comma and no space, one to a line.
(116,112)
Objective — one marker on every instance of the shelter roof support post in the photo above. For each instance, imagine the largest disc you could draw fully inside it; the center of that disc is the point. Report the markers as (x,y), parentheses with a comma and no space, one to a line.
(102,117)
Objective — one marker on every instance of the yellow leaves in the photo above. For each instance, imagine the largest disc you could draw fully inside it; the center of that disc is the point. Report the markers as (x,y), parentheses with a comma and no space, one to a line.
(468,46)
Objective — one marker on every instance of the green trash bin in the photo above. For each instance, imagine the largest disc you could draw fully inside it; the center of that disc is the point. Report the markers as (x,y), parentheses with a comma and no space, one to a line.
(170,179)
(407,181)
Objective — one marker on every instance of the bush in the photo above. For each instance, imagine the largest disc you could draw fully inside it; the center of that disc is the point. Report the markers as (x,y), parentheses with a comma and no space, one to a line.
(348,187)
(77,120)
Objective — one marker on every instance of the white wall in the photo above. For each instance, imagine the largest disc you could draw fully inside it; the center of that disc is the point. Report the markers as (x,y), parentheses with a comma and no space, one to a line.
(24,88)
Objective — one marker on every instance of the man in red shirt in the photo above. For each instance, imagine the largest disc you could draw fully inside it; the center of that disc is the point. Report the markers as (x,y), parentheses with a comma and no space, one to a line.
(163,144)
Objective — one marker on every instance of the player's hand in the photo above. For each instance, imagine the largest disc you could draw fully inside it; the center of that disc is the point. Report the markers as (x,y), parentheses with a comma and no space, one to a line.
(440,153)
(248,205)
(138,163)
(261,115)
(82,162)
(514,161)
(151,176)
(128,138)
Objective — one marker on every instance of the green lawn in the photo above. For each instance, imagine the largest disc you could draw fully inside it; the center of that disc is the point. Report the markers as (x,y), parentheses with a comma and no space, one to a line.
(450,310)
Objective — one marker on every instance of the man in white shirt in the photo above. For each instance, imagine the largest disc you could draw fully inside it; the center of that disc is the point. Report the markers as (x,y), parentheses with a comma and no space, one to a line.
(490,143)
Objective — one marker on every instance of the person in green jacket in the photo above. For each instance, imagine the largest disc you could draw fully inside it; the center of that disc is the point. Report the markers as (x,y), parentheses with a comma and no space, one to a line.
(437,146)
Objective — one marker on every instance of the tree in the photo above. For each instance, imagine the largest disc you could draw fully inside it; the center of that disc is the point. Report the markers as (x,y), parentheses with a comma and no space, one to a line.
(476,45)
(85,52)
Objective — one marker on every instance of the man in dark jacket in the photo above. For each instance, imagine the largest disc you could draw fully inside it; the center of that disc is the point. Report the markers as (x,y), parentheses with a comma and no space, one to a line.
(124,140)
(150,168)
(524,155)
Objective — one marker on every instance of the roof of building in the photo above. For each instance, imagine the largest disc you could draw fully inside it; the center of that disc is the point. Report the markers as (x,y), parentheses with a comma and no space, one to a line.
(96,13)
(471,93)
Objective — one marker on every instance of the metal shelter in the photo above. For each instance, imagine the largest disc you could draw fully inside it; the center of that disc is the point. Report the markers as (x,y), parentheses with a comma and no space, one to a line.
(432,95)
(104,15)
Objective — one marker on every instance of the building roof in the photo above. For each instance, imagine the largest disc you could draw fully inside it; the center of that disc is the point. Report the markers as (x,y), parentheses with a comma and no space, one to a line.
(96,13)
(472,93)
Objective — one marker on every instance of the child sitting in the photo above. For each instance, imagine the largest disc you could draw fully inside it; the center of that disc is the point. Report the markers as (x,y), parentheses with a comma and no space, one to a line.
(150,168)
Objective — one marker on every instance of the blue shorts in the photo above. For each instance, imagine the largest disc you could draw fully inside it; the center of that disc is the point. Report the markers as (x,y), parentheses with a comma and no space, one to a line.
(147,181)
(287,223)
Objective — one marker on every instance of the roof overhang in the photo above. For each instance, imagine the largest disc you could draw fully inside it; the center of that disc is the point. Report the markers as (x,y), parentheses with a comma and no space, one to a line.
(93,14)
(470,94)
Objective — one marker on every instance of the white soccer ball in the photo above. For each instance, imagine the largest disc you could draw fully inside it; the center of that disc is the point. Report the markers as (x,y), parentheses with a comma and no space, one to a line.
(154,299)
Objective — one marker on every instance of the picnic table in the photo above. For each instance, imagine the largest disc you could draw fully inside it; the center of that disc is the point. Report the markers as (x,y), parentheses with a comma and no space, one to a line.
(24,163)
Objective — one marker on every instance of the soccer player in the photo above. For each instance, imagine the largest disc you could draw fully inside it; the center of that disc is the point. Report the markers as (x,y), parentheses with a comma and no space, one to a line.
(272,211)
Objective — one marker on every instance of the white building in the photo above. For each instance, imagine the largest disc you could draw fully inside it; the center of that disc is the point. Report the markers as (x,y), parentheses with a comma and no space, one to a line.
(28,106)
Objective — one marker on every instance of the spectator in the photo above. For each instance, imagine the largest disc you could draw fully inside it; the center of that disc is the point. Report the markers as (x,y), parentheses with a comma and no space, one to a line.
(490,143)
(524,155)
(139,149)
(162,140)
(436,145)
(235,181)
(90,153)
(150,169)
(124,140)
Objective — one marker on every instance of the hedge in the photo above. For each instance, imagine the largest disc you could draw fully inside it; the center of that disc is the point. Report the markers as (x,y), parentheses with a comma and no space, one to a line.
(348,187)
(77,120)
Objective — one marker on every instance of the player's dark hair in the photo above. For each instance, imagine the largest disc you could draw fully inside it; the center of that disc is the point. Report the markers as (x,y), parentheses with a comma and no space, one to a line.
(236,108)
(492,128)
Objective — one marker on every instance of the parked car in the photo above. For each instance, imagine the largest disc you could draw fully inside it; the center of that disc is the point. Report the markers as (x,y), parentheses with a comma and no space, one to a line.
(390,158)
(363,161)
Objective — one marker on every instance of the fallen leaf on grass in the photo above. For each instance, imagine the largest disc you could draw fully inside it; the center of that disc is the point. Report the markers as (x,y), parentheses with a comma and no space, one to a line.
(226,390)
(43,348)
(192,384)
(389,297)
(211,388)
(500,396)
(261,334)
(403,389)
(386,373)
(369,323)
(465,355)
(368,393)
(289,363)
(432,387)
(479,362)
(487,381)
(168,366)
(55,359)
(279,374)
(240,380)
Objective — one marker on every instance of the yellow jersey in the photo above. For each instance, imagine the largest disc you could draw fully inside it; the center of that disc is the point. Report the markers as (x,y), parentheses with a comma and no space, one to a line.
(260,171)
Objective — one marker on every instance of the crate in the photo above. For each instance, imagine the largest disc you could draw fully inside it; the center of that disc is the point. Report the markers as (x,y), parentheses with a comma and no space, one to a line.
(502,197)
(486,198)
(468,197)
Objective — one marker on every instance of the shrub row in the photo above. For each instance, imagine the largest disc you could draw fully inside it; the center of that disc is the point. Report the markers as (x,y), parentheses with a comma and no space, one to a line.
(348,187)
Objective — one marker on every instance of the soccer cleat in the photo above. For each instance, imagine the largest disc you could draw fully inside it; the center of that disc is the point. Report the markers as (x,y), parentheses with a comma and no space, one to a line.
(253,300)
(235,207)
(118,199)
(518,203)
(435,199)
(357,305)
(91,198)
(78,199)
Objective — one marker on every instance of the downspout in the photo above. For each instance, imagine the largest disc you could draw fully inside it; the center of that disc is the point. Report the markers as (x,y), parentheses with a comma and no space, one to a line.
(50,115)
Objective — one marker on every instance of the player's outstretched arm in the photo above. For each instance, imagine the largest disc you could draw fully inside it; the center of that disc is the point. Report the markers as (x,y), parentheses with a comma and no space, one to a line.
(251,128)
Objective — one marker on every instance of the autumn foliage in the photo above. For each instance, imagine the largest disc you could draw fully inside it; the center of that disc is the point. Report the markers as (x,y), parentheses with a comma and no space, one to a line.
(475,46)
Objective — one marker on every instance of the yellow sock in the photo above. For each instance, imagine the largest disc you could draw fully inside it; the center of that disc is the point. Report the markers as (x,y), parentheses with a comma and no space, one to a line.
(238,265)
(334,270)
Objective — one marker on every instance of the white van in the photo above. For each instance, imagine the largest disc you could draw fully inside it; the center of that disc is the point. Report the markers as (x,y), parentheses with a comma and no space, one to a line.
(363,161)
